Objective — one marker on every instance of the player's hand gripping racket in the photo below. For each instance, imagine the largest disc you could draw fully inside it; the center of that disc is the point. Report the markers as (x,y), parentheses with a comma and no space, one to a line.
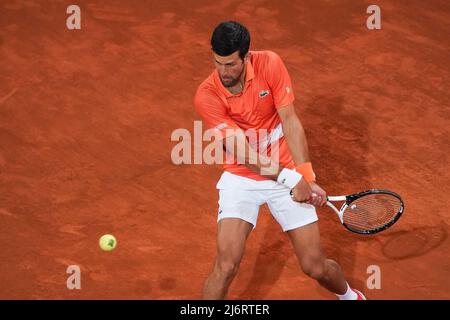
(368,212)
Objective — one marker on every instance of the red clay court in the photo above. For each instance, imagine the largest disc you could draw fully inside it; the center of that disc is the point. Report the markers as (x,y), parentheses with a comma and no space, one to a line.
(86,118)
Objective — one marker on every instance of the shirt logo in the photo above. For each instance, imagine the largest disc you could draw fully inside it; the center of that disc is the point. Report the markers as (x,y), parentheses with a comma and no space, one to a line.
(263,93)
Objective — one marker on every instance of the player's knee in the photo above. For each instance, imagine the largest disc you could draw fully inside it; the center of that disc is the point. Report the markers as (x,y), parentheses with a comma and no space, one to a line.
(316,272)
(227,268)
(313,266)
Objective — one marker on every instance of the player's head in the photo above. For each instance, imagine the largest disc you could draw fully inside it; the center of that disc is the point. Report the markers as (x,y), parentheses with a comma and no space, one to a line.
(230,42)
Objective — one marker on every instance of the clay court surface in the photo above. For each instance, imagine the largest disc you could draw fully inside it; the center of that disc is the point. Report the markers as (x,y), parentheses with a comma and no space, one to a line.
(86,118)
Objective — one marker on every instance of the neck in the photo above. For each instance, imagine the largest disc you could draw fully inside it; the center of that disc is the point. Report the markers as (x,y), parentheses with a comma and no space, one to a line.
(239,87)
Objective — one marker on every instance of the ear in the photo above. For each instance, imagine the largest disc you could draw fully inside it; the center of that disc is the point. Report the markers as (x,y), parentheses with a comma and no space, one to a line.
(246,58)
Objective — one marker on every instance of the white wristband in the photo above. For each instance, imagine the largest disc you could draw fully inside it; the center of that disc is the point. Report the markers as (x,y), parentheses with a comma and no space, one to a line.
(289,178)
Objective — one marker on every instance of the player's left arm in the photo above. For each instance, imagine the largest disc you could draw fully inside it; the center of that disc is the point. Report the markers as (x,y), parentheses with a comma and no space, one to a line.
(298,146)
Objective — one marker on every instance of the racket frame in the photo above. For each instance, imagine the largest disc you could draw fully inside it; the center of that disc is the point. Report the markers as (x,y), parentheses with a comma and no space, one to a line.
(352,197)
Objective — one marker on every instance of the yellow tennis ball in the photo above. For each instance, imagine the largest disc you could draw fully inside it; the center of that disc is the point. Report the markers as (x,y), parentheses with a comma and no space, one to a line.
(107,242)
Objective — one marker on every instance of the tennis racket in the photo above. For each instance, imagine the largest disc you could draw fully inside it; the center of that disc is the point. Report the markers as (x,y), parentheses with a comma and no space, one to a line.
(368,212)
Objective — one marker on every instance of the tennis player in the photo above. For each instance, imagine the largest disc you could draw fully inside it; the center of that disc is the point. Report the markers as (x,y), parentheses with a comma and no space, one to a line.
(252,90)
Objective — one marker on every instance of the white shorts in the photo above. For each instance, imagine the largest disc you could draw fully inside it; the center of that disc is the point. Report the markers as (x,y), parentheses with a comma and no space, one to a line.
(241,197)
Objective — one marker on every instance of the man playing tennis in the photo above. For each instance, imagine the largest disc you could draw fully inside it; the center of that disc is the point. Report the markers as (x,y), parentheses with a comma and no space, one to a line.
(252,90)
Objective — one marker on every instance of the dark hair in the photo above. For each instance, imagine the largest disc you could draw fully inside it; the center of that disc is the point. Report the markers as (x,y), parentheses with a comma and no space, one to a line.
(230,36)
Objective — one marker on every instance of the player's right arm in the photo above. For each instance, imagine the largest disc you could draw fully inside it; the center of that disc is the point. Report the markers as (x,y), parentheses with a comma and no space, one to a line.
(214,112)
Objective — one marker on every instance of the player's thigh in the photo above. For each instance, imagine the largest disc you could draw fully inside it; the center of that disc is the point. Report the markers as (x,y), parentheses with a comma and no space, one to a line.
(299,220)
(231,238)
(307,247)
(239,204)
(306,239)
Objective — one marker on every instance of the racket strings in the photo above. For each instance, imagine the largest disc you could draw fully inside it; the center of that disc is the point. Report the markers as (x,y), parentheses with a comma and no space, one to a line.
(372,211)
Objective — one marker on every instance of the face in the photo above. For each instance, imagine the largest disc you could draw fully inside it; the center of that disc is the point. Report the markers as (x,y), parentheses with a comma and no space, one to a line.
(230,68)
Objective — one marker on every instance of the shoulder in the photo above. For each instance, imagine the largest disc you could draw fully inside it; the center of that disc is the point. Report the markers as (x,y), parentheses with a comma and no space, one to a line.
(206,89)
(207,95)
(267,64)
(264,58)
